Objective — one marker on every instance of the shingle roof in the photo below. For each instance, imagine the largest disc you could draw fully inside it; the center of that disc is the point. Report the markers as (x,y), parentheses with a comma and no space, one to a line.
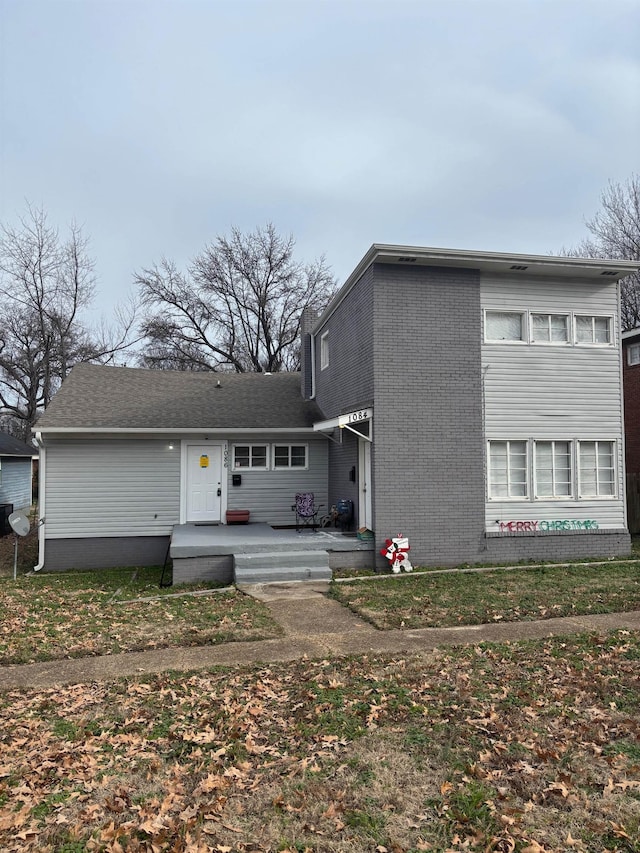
(10,446)
(94,396)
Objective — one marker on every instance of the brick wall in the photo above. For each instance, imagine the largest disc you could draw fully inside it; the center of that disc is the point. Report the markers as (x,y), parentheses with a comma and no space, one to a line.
(631,383)
(104,552)
(428,445)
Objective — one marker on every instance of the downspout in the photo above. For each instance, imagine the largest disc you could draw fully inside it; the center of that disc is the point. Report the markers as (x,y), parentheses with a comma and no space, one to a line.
(41,501)
(312,359)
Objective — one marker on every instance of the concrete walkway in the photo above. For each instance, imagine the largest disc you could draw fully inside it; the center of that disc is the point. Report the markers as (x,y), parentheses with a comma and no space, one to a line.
(315,626)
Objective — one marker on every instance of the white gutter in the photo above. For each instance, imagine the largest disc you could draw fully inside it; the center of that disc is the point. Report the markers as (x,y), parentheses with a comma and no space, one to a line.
(173,431)
(312,366)
(41,502)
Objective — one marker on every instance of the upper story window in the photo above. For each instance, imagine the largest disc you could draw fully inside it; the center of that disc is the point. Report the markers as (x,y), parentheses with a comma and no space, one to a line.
(549,328)
(633,354)
(324,350)
(250,456)
(289,455)
(504,326)
(593,330)
(542,328)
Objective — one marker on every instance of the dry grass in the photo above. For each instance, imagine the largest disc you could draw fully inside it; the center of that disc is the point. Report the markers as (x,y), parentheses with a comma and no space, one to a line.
(524,747)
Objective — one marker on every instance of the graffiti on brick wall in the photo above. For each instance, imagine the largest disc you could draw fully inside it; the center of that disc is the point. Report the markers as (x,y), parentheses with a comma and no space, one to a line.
(544,525)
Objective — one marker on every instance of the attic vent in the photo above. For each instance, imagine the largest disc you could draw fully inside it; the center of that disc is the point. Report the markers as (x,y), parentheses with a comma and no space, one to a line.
(407,260)
(609,272)
(519,266)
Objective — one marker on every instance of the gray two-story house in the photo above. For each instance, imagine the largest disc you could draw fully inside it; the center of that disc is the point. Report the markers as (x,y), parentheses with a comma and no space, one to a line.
(471,401)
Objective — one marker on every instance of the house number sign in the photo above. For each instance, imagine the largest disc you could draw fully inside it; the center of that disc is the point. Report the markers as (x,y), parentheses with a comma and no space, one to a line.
(204,461)
(355,417)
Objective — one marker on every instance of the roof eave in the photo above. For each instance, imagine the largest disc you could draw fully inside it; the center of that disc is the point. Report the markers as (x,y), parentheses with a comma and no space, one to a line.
(218,431)
(495,262)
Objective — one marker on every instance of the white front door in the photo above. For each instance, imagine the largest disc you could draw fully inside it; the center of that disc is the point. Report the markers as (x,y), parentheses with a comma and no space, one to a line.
(204,482)
(365,516)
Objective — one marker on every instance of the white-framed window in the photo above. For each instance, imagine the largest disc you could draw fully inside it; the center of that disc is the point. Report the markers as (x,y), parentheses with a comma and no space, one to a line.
(550,328)
(290,456)
(597,469)
(504,326)
(508,470)
(324,350)
(250,456)
(593,330)
(553,469)
(633,354)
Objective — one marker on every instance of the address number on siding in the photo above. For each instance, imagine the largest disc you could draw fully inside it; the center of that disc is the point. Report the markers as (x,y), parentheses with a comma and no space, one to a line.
(356,417)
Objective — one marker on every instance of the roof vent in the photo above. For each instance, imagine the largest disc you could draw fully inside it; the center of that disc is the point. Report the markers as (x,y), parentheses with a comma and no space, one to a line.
(407,260)
(609,272)
(519,267)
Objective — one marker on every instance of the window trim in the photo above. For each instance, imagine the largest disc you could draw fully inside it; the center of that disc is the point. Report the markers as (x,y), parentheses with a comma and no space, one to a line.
(324,350)
(523,327)
(289,467)
(633,348)
(572,477)
(527,481)
(593,343)
(549,315)
(576,494)
(250,467)
(614,462)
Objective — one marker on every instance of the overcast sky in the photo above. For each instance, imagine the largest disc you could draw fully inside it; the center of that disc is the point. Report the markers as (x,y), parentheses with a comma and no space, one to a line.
(159,124)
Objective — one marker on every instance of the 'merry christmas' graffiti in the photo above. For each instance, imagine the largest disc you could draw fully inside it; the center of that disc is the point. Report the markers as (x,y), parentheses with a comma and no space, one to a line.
(534,526)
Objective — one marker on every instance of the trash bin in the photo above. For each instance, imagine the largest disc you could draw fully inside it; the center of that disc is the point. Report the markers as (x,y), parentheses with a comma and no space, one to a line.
(5,512)
(344,508)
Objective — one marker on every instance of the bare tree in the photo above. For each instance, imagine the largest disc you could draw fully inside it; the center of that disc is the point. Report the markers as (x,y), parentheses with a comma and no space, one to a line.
(45,284)
(237,308)
(615,231)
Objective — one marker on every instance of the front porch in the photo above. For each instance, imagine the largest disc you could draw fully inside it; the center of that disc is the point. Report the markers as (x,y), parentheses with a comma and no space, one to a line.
(258,553)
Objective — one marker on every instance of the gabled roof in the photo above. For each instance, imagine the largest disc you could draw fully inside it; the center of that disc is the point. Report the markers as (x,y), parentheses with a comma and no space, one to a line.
(98,398)
(10,446)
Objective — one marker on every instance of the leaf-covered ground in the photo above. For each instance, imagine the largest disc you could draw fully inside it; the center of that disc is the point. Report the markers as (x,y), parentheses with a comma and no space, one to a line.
(428,600)
(76,614)
(523,747)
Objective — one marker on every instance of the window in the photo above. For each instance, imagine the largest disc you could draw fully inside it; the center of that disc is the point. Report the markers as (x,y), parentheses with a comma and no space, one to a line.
(549,328)
(597,470)
(324,350)
(633,354)
(250,456)
(289,455)
(508,469)
(553,469)
(503,326)
(593,330)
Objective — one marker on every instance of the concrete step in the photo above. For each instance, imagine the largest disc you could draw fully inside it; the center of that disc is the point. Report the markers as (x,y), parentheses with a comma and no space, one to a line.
(274,566)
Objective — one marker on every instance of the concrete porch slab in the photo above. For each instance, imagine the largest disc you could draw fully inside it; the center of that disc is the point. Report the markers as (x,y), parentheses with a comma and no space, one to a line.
(194,540)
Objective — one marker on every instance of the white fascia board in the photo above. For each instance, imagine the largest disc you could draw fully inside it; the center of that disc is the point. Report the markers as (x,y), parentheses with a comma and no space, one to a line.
(326,426)
(492,262)
(630,333)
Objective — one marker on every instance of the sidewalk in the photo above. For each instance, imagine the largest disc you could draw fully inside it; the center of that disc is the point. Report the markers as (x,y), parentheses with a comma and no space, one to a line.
(315,626)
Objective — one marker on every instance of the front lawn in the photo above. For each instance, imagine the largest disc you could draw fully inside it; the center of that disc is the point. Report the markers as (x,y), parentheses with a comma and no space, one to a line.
(75,614)
(428,600)
(526,747)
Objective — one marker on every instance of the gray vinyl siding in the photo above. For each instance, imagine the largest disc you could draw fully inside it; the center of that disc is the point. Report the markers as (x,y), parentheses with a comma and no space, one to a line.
(15,481)
(342,458)
(102,488)
(554,391)
(269,495)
